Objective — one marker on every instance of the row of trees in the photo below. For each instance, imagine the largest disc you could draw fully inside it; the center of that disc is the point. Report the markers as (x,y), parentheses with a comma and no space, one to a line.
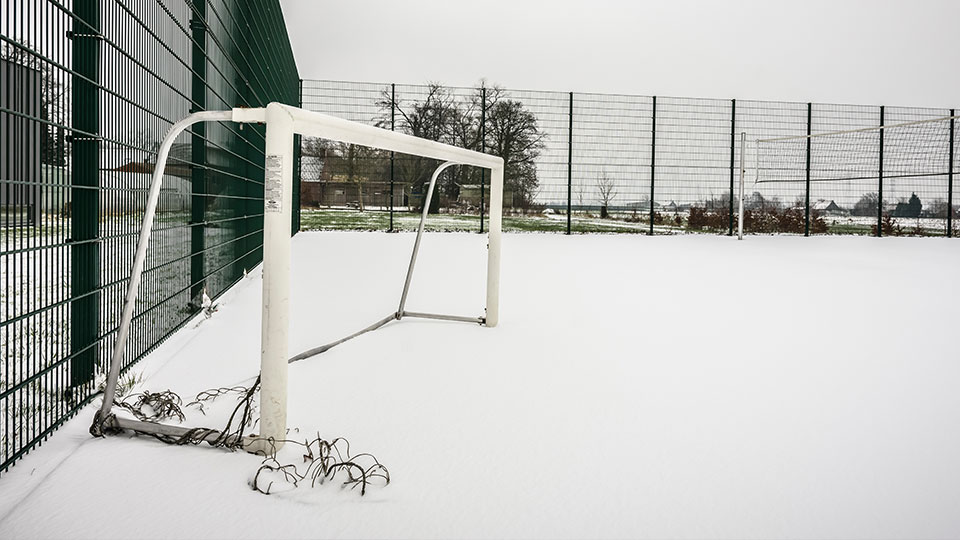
(487,119)
(866,206)
(912,207)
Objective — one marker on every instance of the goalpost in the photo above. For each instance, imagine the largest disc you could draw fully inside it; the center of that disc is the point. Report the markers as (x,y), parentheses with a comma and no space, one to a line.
(920,149)
(282,123)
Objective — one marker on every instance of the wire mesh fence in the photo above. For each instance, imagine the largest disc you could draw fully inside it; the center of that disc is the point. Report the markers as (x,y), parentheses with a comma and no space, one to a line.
(637,164)
(89,89)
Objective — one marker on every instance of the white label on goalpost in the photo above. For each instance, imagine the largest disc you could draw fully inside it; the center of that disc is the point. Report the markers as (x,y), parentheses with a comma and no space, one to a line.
(273,184)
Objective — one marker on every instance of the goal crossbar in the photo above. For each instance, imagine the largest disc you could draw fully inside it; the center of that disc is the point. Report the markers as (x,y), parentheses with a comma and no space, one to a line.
(282,122)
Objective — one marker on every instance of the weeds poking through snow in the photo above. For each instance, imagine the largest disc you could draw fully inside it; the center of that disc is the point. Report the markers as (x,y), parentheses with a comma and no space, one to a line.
(322,460)
(158,405)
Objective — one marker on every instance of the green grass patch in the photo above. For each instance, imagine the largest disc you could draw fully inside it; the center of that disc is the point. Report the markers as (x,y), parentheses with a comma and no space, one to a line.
(329,219)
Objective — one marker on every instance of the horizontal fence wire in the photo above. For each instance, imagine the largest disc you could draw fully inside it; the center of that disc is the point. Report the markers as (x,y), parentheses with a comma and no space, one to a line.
(89,89)
(640,164)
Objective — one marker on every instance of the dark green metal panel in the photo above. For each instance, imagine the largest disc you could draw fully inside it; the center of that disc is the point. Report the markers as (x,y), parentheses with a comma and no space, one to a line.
(114,77)
(85,207)
(297,159)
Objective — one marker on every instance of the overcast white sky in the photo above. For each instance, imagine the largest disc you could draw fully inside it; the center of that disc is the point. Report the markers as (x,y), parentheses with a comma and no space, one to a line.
(847,51)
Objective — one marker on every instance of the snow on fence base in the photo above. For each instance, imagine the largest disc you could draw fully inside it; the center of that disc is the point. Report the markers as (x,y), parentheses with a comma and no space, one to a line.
(282,123)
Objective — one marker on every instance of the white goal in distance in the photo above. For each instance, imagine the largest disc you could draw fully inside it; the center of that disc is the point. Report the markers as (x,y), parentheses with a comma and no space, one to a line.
(918,149)
(282,123)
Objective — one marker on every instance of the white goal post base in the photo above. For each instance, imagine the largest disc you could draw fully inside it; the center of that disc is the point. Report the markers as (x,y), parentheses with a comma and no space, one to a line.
(283,122)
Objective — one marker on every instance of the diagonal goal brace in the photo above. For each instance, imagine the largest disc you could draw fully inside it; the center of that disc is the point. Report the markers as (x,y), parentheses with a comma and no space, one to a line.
(283,122)
(401,312)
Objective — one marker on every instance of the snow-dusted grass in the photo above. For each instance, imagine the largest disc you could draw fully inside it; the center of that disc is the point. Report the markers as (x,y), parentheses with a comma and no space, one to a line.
(378,219)
(36,279)
(676,386)
(340,219)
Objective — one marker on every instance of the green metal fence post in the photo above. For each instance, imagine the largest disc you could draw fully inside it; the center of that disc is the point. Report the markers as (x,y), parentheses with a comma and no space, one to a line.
(483,145)
(85,205)
(880,183)
(198,150)
(570,166)
(733,151)
(393,126)
(653,158)
(806,205)
(950,177)
(298,172)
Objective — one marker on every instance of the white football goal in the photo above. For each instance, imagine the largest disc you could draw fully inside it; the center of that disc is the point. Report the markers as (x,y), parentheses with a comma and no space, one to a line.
(919,151)
(282,123)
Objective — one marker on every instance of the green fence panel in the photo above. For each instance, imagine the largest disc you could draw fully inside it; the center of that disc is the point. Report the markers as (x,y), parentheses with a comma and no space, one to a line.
(89,89)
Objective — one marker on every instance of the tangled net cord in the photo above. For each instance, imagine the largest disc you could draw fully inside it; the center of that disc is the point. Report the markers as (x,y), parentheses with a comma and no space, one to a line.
(322,460)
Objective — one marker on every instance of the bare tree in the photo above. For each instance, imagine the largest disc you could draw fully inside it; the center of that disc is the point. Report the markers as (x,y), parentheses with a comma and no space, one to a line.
(606,192)
(430,118)
(512,132)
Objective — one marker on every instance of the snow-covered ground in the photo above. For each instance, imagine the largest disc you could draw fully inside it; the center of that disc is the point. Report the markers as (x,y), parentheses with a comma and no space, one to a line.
(678,386)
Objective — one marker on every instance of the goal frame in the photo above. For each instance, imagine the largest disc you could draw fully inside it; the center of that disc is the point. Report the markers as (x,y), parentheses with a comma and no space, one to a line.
(881,129)
(282,123)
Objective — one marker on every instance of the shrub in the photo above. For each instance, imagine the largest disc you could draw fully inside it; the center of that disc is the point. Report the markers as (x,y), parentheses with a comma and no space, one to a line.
(767,220)
(888,226)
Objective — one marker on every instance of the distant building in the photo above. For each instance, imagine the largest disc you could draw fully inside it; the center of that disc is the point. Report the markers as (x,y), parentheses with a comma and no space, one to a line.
(470,194)
(827,207)
(20,195)
(337,191)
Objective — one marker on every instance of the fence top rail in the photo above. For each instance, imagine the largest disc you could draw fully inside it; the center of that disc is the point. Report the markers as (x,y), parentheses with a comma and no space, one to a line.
(858,130)
(314,84)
